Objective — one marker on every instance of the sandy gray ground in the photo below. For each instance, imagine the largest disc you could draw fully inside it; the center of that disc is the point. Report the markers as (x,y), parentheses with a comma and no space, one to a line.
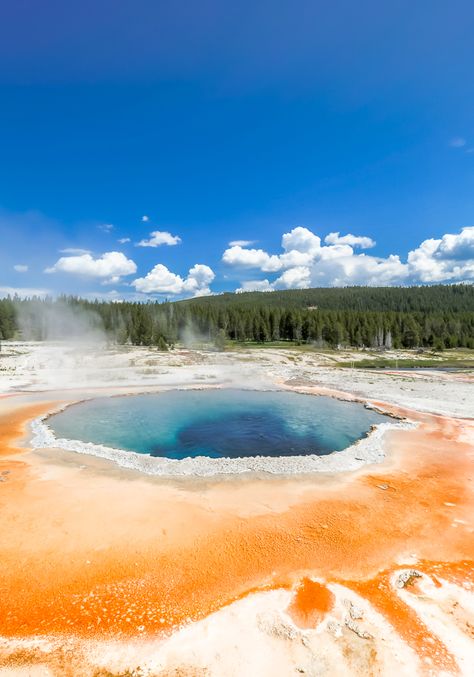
(37,367)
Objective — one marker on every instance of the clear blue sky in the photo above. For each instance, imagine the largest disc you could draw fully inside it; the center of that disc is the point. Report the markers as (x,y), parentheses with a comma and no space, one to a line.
(233,121)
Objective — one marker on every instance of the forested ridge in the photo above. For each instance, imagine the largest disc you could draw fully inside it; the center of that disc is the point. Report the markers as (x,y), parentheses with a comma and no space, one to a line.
(437,317)
(400,299)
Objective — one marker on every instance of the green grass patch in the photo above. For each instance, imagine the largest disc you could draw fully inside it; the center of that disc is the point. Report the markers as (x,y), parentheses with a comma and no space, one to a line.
(288,345)
(380,363)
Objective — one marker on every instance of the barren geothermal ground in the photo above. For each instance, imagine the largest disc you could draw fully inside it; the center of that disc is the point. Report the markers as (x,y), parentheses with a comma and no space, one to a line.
(359,564)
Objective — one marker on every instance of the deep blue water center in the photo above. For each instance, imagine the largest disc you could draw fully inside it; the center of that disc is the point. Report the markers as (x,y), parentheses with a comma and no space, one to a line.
(217,423)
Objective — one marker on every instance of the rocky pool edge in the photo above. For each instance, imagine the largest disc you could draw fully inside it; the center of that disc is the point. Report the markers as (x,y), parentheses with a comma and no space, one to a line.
(369,449)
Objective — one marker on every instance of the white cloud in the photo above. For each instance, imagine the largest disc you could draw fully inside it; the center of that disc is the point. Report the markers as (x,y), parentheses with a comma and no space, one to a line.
(106,227)
(352,240)
(241,243)
(20,268)
(23,292)
(251,258)
(160,280)
(294,257)
(302,240)
(74,250)
(359,269)
(298,277)
(199,278)
(457,246)
(124,240)
(449,258)
(158,237)
(335,251)
(145,218)
(305,262)
(255,285)
(109,267)
(457,142)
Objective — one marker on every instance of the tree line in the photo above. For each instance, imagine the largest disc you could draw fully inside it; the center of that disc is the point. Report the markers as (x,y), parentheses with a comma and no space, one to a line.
(435,317)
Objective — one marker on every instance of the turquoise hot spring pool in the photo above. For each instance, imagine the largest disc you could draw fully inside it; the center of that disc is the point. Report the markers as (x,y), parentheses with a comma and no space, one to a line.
(217,423)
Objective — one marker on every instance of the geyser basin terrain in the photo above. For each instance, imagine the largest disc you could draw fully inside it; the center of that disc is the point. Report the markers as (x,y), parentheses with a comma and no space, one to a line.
(217,424)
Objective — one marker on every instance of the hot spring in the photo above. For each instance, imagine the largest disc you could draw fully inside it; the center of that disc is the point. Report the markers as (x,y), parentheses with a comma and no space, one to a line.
(215,423)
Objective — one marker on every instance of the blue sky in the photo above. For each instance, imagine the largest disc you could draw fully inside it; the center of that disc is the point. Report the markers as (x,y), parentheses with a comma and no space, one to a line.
(234,122)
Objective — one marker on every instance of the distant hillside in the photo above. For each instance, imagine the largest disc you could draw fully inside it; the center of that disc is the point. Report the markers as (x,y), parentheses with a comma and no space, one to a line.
(432,317)
(450,298)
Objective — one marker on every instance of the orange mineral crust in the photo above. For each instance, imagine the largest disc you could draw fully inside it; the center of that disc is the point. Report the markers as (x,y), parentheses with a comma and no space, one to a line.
(13,424)
(12,428)
(310,604)
(92,551)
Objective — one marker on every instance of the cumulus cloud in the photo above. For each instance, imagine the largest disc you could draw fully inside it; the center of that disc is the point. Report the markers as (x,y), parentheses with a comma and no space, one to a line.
(20,268)
(457,246)
(145,218)
(159,237)
(110,267)
(358,269)
(251,258)
(298,277)
(305,262)
(352,240)
(255,285)
(450,258)
(161,280)
(302,240)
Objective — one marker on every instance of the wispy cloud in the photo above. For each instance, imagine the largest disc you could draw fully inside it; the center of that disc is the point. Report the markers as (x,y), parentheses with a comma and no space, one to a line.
(74,250)
(124,240)
(241,243)
(23,292)
(20,268)
(458,142)
(106,227)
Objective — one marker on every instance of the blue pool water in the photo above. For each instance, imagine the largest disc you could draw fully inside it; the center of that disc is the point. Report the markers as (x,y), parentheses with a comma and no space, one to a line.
(217,423)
